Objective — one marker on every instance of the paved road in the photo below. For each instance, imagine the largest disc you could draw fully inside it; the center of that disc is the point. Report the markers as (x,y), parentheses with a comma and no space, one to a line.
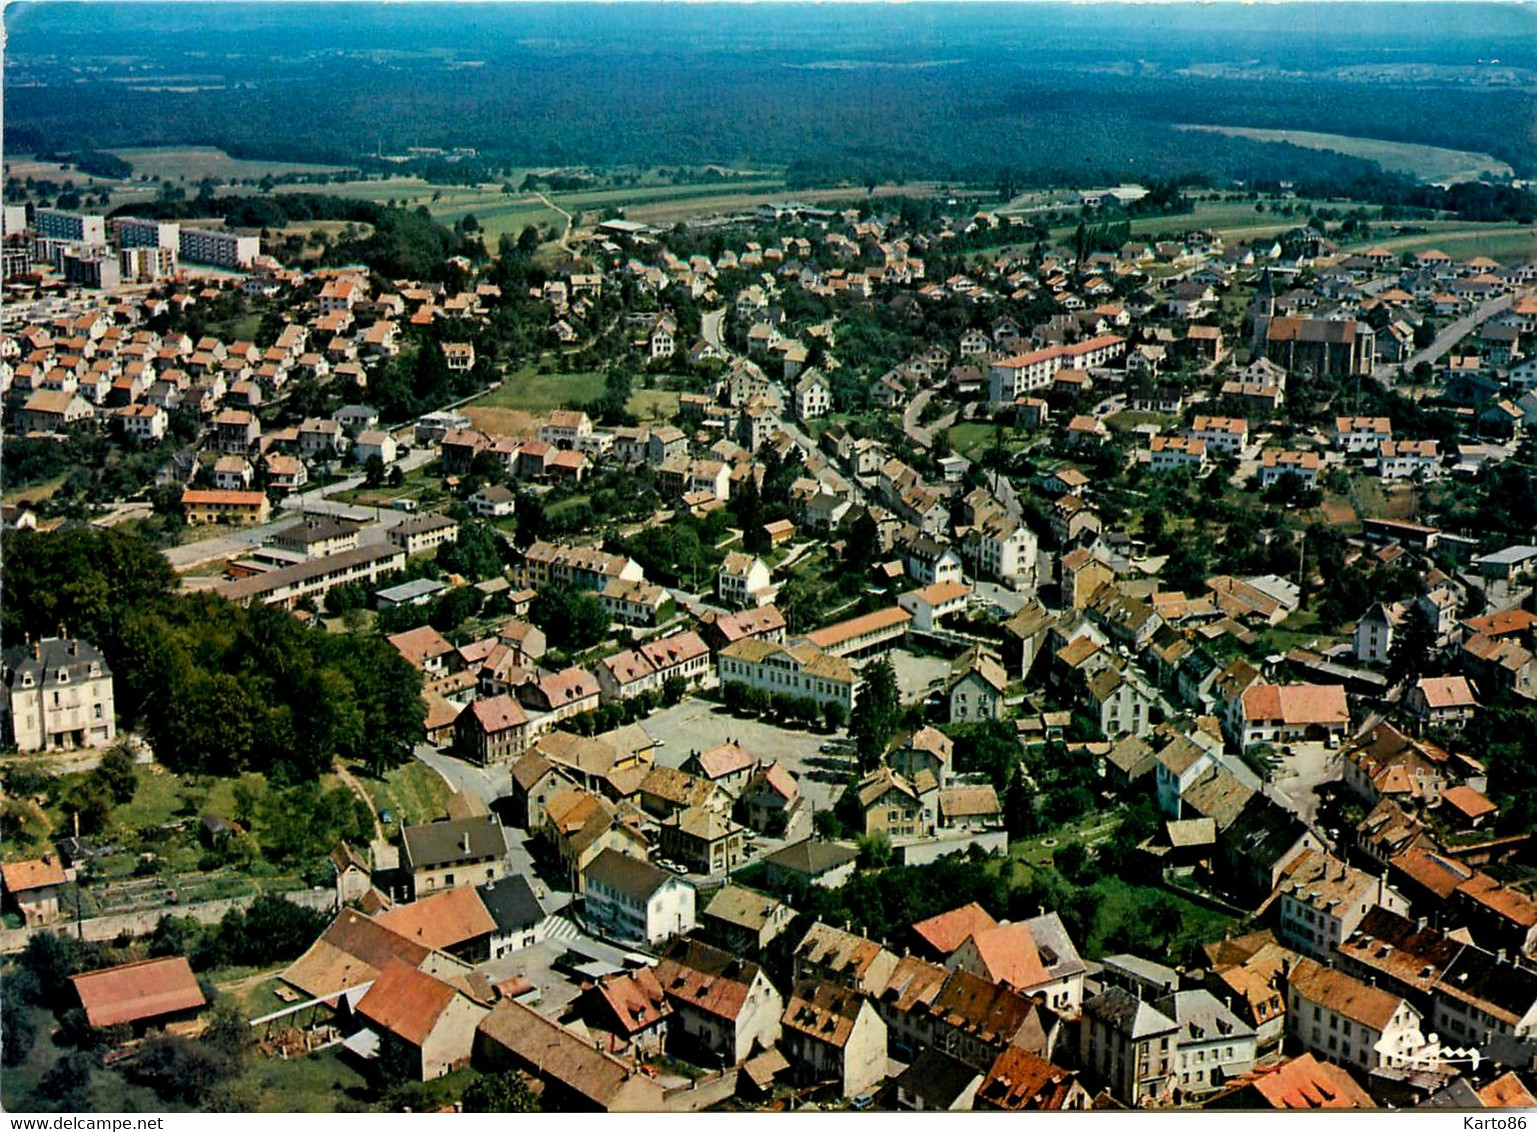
(486,783)
(923,437)
(1454,333)
(710,327)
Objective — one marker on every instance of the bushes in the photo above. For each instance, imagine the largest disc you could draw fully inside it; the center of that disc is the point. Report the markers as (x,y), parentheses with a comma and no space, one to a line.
(744,699)
(270,929)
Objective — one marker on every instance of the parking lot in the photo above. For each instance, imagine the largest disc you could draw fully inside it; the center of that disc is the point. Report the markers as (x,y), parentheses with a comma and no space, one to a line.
(697,725)
(916,674)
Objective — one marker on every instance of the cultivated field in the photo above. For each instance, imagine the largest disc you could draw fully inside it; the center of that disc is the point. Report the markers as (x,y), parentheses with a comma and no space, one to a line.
(1427,162)
(194,163)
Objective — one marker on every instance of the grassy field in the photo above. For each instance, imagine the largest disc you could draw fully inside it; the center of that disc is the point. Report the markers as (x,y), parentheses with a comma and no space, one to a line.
(315,1082)
(413,793)
(1427,162)
(1121,903)
(1507,243)
(969,440)
(193,163)
(540,392)
(654,404)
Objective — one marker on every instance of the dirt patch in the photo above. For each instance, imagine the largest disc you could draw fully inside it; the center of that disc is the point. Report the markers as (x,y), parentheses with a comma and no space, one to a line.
(504,422)
(1338,512)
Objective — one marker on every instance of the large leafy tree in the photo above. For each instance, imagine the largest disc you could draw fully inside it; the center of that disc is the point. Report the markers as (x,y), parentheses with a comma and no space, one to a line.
(877,712)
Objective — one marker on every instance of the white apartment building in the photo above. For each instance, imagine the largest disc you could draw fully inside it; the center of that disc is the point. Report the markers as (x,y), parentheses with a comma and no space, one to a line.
(1356,435)
(1275,463)
(1169,453)
(1405,459)
(74,227)
(799,670)
(136,232)
(1226,435)
(744,581)
(1323,900)
(218,249)
(57,695)
(1350,1022)
(1004,550)
(632,899)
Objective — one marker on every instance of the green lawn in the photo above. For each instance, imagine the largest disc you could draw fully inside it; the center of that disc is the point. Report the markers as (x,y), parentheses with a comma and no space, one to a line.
(1463,240)
(540,392)
(1427,162)
(242,329)
(163,796)
(193,163)
(317,1082)
(1128,904)
(970,440)
(413,793)
(654,404)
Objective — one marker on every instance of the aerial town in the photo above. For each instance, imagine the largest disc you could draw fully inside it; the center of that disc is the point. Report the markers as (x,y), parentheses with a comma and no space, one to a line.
(889,652)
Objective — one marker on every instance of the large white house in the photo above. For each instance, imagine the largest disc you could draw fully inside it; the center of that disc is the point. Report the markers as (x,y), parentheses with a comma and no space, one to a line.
(797,670)
(57,695)
(631,899)
(744,581)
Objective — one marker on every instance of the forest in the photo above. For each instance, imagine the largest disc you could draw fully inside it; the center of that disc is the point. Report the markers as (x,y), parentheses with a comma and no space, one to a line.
(1039,93)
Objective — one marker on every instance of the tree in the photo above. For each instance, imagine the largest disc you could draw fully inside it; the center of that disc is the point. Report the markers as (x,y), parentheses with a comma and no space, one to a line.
(1409,655)
(373,471)
(834,715)
(117,774)
(500,1092)
(1076,863)
(874,851)
(571,619)
(827,825)
(877,712)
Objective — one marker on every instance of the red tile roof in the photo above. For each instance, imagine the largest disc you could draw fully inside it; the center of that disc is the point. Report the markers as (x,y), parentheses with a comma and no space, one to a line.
(22,876)
(1307,1083)
(406,1002)
(442,920)
(948,930)
(1468,802)
(136,992)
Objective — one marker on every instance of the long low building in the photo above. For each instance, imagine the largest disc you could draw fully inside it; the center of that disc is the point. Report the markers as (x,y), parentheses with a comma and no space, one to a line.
(868,633)
(288,585)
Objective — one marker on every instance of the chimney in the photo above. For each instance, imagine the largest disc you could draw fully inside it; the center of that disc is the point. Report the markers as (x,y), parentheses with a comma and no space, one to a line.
(464,842)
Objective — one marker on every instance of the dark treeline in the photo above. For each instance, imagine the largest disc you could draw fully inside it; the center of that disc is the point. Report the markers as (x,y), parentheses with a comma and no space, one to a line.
(851,96)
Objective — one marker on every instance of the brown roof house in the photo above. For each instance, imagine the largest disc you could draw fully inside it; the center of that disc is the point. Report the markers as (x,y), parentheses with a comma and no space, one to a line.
(575,1076)
(724,1007)
(743,920)
(833,1034)
(33,888)
(445,854)
(828,954)
(426,1028)
(630,1009)
(1033,956)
